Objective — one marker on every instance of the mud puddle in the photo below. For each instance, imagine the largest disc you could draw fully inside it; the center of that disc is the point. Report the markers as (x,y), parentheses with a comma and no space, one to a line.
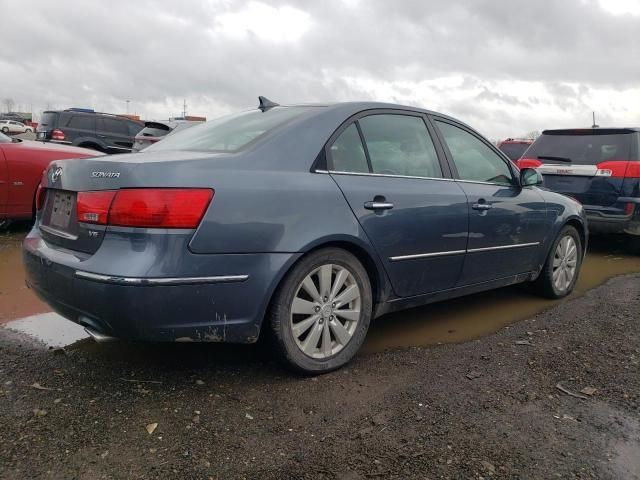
(16,300)
(477,315)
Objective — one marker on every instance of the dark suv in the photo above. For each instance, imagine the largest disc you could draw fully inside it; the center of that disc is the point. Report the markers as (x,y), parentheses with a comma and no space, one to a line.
(86,128)
(599,167)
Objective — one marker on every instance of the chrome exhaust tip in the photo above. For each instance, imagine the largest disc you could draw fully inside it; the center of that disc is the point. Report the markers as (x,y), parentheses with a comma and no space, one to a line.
(99,337)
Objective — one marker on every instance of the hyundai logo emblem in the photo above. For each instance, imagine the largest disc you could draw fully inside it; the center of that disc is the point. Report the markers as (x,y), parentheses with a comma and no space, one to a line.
(57,173)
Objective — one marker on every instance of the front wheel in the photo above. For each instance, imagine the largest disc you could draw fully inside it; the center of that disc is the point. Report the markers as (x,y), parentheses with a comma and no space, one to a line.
(5,130)
(560,272)
(321,312)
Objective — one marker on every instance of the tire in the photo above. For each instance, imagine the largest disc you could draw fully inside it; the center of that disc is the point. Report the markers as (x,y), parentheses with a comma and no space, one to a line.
(28,130)
(339,329)
(5,130)
(558,287)
(92,146)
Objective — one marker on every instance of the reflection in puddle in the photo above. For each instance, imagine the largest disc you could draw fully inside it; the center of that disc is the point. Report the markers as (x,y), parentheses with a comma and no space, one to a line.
(471,317)
(16,300)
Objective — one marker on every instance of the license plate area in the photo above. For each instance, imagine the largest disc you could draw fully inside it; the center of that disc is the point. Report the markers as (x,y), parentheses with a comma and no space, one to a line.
(60,213)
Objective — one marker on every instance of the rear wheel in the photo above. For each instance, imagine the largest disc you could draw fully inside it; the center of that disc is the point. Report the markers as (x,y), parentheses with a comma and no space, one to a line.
(560,272)
(321,311)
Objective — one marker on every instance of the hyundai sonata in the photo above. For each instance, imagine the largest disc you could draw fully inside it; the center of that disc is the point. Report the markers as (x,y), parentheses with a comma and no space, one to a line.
(305,220)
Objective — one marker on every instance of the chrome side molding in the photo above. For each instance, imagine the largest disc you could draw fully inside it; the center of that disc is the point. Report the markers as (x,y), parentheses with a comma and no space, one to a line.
(96,277)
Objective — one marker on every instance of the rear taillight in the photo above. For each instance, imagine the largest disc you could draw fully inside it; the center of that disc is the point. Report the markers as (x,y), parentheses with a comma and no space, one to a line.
(93,207)
(528,163)
(57,134)
(144,207)
(619,168)
(41,194)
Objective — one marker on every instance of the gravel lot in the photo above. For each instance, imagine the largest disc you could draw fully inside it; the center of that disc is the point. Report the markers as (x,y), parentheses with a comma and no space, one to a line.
(504,406)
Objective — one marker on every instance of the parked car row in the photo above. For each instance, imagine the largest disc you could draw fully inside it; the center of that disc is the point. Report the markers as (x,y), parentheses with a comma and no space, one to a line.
(13,126)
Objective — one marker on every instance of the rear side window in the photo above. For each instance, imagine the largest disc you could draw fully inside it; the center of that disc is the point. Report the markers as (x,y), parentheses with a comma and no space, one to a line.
(347,153)
(112,125)
(83,122)
(581,149)
(400,145)
(230,133)
(474,160)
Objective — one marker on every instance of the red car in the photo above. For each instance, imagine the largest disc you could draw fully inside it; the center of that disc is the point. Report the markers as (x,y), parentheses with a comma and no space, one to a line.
(21,165)
(514,147)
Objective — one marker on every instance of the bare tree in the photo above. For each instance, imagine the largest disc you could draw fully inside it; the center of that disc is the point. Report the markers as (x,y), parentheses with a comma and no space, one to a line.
(9,103)
(533,134)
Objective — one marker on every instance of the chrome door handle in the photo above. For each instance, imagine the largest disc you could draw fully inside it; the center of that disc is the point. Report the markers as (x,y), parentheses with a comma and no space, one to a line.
(481,206)
(378,205)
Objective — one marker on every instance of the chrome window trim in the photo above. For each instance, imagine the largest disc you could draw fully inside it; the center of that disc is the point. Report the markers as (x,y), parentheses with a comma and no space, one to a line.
(458,252)
(507,185)
(426,255)
(367,174)
(159,280)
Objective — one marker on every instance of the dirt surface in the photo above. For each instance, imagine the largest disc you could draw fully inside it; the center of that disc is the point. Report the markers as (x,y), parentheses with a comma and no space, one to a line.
(491,407)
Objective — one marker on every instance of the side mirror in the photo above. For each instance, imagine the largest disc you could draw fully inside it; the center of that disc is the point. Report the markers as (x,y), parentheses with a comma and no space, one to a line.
(530,177)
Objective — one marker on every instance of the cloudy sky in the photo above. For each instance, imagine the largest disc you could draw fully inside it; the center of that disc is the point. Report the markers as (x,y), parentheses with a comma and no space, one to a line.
(505,67)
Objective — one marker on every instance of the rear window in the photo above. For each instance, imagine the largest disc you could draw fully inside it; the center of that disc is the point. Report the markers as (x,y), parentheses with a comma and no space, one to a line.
(156,130)
(514,150)
(230,133)
(583,149)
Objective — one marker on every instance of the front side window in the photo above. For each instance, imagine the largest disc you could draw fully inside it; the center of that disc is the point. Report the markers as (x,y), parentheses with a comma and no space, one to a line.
(347,153)
(400,145)
(474,160)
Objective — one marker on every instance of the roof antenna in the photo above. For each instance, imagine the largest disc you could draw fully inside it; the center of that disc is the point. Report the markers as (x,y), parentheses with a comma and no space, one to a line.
(594,121)
(266,104)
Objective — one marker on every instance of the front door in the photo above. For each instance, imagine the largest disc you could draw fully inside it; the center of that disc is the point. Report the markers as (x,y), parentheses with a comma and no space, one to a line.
(507,223)
(387,167)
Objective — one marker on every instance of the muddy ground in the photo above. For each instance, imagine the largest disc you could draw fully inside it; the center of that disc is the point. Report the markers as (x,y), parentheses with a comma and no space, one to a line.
(505,405)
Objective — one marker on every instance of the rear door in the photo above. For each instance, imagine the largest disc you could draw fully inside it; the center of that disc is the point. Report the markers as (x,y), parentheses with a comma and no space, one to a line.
(507,223)
(589,165)
(389,170)
(78,127)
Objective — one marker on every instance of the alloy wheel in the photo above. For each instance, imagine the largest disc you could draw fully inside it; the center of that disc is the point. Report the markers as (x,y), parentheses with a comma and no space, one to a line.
(325,311)
(565,261)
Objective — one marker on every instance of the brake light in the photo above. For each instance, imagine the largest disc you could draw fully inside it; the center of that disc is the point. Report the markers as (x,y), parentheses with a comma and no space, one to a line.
(41,194)
(619,168)
(144,207)
(57,134)
(528,163)
(93,207)
(159,207)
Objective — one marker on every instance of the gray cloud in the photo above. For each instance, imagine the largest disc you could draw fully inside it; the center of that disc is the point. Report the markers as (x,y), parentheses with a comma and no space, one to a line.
(156,53)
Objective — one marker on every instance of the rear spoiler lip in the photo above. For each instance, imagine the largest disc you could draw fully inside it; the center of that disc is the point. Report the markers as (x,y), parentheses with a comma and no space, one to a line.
(591,131)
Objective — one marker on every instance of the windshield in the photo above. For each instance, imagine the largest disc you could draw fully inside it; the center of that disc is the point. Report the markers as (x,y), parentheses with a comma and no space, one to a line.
(514,150)
(582,149)
(230,133)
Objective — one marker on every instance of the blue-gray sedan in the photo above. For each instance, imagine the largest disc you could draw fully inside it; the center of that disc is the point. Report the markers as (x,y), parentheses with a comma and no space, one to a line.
(307,220)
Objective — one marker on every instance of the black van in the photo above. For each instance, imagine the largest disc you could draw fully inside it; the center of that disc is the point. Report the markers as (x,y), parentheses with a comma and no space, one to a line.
(599,167)
(85,128)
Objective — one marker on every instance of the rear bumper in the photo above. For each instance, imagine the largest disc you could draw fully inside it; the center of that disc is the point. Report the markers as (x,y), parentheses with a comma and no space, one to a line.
(601,223)
(202,307)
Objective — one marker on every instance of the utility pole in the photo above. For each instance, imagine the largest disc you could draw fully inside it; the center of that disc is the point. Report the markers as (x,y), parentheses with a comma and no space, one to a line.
(127,105)
(184,107)
(594,120)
